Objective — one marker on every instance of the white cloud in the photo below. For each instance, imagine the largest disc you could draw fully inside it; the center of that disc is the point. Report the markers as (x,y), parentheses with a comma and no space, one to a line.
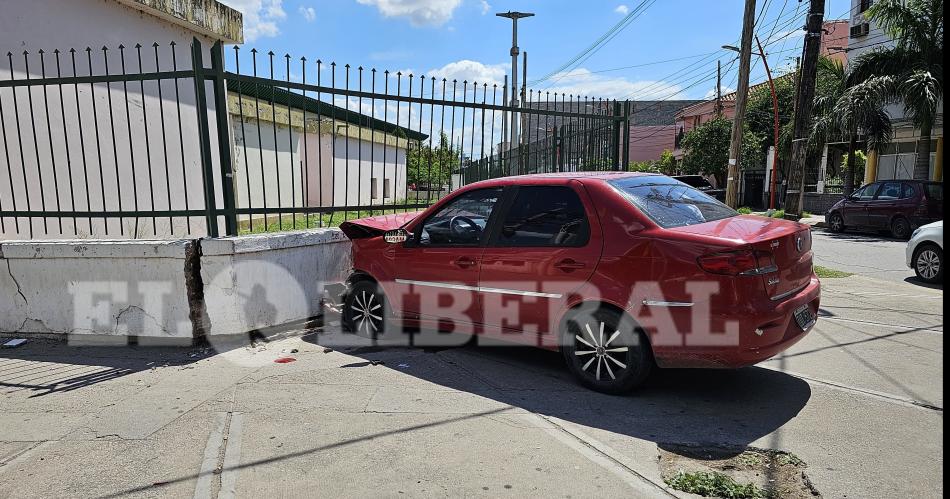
(582,82)
(471,71)
(260,17)
(308,13)
(622,9)
(486,7)
(419,12)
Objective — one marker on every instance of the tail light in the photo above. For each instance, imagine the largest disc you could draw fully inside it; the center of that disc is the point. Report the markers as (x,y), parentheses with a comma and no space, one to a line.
(743,262)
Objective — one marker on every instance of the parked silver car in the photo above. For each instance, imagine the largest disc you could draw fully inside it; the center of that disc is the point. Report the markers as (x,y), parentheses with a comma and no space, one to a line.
(925,252)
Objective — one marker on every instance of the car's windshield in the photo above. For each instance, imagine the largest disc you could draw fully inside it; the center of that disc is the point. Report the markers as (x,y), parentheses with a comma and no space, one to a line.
(671,203)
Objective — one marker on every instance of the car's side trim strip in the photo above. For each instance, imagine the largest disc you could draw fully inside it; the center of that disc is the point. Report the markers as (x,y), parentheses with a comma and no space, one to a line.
(482,289)
(660,303)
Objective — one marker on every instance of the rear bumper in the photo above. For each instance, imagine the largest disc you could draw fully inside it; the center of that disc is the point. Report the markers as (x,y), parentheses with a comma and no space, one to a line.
(779,331)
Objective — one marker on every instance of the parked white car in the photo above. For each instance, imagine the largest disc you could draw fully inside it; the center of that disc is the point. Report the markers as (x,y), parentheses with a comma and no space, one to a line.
(925,252)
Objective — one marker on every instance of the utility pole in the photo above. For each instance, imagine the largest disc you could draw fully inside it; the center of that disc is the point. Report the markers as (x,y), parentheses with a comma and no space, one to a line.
(804,97)
(718,88)
(514,16)
(735,146)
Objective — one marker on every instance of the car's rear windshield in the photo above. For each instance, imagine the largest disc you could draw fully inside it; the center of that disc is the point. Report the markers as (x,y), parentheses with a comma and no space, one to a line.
(671,203)
(694,181)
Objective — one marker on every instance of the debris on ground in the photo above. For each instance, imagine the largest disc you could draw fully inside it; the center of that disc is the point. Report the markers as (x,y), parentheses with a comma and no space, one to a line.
(376,362)
(403,366)
(285,360)
(14,343)
(735,472)
(327,349)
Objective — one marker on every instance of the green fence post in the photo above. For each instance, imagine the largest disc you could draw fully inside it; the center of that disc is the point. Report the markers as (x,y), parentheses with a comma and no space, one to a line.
(224,137)
(204,138)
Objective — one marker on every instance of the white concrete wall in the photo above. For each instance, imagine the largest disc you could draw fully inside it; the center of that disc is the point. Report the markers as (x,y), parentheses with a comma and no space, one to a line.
(357,162)
(253,282)
(115,289)
(80,168)
(81,288)
(312,169)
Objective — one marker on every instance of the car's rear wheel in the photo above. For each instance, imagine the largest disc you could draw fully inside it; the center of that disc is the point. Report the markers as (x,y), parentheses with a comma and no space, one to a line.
(835,222)
(364,311)
(900,228)
(605,350)
(928,263)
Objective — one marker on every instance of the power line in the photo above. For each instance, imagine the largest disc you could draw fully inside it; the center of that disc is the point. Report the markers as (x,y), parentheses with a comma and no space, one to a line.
(600,42)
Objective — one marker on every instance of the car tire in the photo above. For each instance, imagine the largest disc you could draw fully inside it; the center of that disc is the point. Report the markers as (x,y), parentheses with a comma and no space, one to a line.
(364,310)
(835,222)
(900,228)
(928,263)
(605,350)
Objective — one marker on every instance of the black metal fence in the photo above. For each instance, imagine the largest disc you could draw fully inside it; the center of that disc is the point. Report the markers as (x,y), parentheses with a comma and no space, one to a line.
(151,142)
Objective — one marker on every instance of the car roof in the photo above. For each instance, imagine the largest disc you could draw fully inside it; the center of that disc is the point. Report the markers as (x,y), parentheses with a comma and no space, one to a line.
(558,177)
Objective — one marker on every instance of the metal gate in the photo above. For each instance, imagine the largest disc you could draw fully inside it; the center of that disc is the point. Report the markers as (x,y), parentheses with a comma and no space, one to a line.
(151,141)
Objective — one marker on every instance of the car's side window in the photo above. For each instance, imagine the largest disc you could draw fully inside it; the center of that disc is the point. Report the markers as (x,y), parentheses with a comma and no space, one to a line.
(462,221)
(545,216)
(889,191)
(909,191)
(866,193)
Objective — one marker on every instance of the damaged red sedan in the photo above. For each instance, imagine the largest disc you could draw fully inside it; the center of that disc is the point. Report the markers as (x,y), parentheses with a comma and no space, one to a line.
(621,272)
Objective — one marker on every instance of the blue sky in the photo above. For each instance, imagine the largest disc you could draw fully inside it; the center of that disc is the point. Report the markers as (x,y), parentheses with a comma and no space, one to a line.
(668,50)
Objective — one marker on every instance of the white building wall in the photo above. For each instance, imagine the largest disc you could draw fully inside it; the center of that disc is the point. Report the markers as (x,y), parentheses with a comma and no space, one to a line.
(313,169)
(80,169)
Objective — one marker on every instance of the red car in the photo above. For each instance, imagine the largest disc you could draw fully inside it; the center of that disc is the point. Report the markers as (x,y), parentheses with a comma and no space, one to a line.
(621,272)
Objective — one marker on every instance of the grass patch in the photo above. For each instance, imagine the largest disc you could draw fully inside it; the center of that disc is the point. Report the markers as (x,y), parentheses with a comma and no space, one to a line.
(749,459)
(712,484)
(778,214)
(302,221)
(745,210)
(787,458)
(825,272)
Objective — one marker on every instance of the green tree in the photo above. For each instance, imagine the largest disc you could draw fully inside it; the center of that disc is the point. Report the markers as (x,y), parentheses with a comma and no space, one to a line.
(707,149)
(432,166)
(760,115)
(836,115)
(909,73)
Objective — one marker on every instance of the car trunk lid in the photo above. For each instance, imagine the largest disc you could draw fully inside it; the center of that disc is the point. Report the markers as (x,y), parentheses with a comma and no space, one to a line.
(788,242)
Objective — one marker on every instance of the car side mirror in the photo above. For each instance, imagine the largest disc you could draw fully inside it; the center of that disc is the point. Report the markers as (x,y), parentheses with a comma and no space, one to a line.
(396,236)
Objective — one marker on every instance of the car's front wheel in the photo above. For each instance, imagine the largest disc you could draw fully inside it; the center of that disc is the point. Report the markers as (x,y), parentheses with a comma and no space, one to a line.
(605,350)
(364,311)
(928,263)
(836,222)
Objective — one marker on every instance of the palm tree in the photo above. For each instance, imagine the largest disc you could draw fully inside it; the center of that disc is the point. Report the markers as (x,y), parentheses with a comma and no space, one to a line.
(910,72)
(838,113)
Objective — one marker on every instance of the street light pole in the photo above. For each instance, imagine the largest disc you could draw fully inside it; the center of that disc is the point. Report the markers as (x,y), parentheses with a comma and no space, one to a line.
(514,16)
(735,144)
(768,73)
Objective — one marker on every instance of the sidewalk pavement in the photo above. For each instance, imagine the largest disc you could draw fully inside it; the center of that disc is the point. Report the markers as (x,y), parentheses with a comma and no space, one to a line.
(859,400)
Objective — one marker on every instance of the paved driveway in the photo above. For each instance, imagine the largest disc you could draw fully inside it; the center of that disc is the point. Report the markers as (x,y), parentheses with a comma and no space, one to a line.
(866,253)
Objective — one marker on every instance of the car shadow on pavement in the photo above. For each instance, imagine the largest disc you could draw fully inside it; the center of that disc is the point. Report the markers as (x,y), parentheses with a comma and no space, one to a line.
(725,409)
(917,282)
(45,367)
(860,236)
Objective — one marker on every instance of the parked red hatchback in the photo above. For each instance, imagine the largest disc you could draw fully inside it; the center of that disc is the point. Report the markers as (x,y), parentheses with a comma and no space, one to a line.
(621,272)
(897,206)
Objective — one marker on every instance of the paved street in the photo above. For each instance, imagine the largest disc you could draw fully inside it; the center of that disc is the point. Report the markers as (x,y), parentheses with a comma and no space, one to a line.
(879,255)
(860,400)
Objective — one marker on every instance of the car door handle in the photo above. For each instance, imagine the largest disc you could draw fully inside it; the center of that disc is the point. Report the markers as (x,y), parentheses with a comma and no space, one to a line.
(464,262)
(568,265)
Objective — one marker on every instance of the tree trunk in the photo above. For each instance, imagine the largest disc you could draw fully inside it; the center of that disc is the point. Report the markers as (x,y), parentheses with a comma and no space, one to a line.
(922,164)
(849,169)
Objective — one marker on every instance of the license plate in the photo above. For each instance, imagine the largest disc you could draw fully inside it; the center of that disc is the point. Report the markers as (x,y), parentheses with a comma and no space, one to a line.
(804,317)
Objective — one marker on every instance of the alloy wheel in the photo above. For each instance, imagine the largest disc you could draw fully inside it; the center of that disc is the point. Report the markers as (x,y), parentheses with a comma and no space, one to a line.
(367,313)
(836,223)
(602,361)
(928,264)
